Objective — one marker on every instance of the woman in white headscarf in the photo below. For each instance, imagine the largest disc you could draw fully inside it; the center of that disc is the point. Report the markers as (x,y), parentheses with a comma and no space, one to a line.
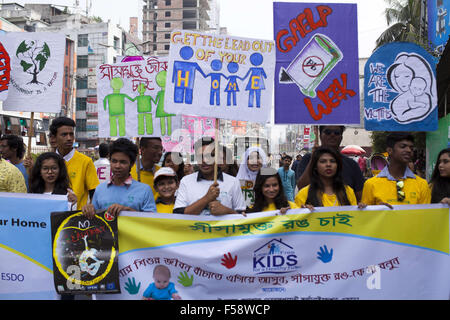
(253,160)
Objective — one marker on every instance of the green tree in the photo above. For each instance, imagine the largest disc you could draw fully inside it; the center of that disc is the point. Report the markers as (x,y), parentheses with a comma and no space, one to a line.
(33,57)
(403,18)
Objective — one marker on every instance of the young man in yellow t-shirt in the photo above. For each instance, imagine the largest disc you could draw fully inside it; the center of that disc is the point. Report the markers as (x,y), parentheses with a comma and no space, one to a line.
(396,183)
(151,152)
(80,168)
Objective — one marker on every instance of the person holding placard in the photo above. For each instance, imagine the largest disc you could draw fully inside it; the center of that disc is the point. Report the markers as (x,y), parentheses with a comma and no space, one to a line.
(199,194)
(81,169)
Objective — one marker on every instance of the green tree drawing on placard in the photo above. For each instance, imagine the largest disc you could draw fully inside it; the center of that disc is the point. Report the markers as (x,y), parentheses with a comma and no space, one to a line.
(33,58)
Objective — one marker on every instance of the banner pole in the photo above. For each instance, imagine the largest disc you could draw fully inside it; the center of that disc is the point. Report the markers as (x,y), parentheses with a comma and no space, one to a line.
(138,162)
(30,134)
(216,150)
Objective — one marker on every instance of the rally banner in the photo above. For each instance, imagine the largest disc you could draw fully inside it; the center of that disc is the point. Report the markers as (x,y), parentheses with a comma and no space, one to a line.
(400,90)
(331,253)
(26,270)
(84,253)
(317,68)
(37,70)
(220,76)
(131,99)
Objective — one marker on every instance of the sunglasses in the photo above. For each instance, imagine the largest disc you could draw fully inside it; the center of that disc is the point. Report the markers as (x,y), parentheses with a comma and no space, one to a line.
(329,132)
(400,192)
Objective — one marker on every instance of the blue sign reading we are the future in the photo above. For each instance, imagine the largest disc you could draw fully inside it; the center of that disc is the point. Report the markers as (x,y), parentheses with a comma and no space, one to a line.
(400,92)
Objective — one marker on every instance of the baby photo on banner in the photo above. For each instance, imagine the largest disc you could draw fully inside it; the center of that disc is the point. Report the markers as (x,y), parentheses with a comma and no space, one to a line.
(36,71)
(220,76)
(400,92)
(316,73)
(131,99)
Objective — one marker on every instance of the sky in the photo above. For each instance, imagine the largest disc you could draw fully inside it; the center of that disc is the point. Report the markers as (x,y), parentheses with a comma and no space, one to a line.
(243,18)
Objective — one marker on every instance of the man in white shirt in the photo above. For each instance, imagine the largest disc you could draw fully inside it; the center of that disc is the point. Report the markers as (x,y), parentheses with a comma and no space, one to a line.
(198,194)
(102,165)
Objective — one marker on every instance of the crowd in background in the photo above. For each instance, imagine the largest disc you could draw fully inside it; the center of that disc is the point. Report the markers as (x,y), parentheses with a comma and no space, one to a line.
(141,177)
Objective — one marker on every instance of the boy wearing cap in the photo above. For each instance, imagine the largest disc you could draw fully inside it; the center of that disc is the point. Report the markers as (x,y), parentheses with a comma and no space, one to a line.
(166,185)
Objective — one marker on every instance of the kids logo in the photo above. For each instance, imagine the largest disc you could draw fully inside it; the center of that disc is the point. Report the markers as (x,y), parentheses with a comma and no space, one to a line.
(275,257)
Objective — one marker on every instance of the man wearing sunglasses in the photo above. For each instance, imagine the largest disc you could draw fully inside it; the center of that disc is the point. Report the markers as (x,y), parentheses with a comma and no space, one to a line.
(331,137)
(396,183)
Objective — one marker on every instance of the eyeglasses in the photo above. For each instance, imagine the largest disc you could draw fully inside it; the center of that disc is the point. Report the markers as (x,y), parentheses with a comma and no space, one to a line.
(48,169)
(400,192)
(329,132)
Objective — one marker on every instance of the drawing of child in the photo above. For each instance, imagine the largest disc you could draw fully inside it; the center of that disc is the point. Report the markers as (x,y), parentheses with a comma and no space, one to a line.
(417,89)
(161,288)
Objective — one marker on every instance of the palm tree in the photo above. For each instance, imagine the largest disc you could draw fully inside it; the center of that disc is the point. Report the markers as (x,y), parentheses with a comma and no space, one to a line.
(403,18)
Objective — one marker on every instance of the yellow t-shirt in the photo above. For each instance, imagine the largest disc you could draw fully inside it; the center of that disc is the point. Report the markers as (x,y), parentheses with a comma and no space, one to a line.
(327,200)
(83,177)
(146,177)
(11,179)
(381,189)
(164,208)
(271,207)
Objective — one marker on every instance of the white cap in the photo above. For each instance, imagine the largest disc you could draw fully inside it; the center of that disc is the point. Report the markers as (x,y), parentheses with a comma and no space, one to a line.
(164,171)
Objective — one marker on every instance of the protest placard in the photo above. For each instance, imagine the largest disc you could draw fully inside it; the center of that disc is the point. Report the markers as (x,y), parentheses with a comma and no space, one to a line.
(317,77)
(220,76)
(131,99)
(85,253)
(400,90)
(5,72)
(36,78)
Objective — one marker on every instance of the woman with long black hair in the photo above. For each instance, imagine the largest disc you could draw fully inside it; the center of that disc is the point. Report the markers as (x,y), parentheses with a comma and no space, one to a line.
(269,193)
(326,188)
(49,176)
(440,179)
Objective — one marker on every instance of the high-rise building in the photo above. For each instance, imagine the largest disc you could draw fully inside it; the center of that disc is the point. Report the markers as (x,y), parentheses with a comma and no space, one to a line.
(160,17)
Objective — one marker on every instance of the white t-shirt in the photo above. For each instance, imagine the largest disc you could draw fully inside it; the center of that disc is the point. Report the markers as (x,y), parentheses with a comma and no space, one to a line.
(103,168)
(192,189)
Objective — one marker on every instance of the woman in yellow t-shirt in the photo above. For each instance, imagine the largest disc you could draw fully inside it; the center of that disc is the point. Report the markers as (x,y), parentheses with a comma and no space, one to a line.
(269,193)
(327,188)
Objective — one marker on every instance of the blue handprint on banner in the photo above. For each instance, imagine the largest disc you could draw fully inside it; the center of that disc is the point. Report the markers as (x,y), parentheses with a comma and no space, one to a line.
(324,255)
(131,286)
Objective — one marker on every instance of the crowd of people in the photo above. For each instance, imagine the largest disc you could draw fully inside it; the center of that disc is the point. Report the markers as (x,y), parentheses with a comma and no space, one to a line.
(128,177)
